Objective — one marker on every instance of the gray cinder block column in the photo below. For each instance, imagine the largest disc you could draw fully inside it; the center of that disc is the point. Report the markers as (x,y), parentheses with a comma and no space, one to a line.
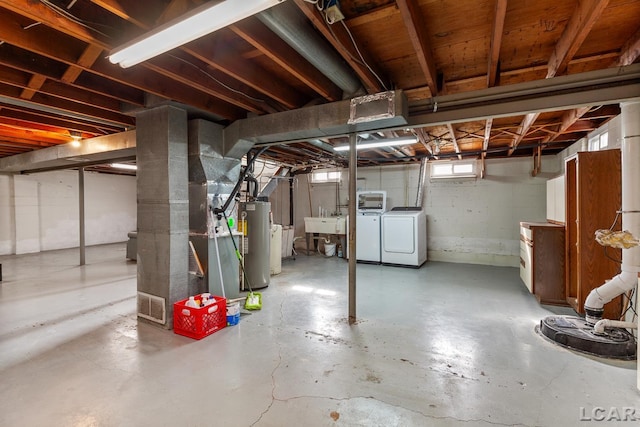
(163,205)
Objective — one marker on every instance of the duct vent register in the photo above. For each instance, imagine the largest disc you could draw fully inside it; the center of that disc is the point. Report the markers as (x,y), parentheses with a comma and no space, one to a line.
(152,308)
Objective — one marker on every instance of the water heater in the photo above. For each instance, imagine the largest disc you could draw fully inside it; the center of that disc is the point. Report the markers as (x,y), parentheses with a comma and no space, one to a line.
(254,224)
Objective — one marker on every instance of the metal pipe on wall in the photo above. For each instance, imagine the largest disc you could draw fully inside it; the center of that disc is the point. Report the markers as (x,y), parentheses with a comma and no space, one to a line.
(421,180)
(353,177)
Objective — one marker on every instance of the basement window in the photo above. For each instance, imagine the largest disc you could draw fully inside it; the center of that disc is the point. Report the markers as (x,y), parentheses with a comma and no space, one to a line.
(599,142)
(324,176)
(457,169)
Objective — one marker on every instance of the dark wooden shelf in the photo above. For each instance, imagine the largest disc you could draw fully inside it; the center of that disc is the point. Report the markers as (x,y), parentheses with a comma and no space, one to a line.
(547,247)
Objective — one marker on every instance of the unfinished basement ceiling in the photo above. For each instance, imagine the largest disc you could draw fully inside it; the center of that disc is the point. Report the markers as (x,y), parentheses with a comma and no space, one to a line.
(55,79)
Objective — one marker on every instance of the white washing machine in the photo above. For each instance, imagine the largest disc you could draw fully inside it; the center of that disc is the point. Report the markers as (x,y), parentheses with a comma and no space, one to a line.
(371,206)
(404,237)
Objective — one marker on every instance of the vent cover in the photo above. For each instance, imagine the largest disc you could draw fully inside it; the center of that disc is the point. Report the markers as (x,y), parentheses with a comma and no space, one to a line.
(152,308)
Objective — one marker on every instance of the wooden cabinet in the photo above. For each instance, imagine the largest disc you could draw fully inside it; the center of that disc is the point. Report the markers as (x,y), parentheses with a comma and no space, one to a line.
(542,252)
(593,195)
(556,200)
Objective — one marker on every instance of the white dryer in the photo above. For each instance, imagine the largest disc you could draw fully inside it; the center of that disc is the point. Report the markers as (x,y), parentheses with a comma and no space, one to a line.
(404,237)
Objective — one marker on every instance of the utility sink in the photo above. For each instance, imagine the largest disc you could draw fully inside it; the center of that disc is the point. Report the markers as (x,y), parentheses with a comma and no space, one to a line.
(325,225)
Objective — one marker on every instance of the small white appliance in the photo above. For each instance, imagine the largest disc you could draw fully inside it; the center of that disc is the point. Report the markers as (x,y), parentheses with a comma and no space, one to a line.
(404,237)
(371,206)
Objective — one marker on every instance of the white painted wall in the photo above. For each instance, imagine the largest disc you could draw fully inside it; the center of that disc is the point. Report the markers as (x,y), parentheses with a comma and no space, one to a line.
(40,212)
(7,217)
(471,221)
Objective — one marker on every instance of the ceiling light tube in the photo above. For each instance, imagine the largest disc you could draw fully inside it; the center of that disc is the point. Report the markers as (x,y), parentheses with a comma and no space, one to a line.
(124,166)
(379,143)
(195,24)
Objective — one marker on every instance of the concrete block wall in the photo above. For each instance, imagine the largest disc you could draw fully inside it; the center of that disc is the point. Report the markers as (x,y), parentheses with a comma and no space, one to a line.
(39,212)
(470,221)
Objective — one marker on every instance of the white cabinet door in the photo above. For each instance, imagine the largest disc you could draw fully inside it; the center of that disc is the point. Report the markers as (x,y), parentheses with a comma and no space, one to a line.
(555,199)
(551,199)
(526,257)
(560,202)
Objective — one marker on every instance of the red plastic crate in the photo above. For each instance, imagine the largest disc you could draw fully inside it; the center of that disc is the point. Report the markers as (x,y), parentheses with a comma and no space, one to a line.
(199,322)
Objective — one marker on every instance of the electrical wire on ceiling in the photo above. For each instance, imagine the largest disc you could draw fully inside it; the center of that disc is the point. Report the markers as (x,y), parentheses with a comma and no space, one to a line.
(60,11)
(320,5)
(31,25)
(221,83)
(363,62)
(85,24)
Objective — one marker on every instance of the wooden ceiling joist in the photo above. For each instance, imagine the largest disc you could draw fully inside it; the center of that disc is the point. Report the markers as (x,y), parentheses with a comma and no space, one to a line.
(523,130)
(34,85)
(497,29)
(286,57)
(630,51)
(370,76)
(454,140)
(414,23)
(86,60)
(576,31)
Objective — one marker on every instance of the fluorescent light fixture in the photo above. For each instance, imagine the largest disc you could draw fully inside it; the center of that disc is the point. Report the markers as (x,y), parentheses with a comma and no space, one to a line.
(201,21)
(124,166)
(380,143)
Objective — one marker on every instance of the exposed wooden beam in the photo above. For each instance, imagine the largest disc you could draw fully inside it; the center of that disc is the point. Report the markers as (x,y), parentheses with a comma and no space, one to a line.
(568,119)
(34,85)
(340,39)
(576,31)
(10,113)
(480,80)
(454,140)
(90,82)
(286,57)
(414,23)
(159,85)
(86,60)
(523,130)
(72,107)
(136,12)
(254,77)
(424,140)
(499,14)
(39,12)
(630,51)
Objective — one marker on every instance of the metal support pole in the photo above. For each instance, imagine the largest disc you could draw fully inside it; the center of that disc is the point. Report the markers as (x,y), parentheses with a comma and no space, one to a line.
(291,200)
(353,168)
(81,213)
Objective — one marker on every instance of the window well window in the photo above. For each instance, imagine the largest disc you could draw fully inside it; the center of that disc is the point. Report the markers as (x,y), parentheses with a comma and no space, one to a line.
(454,169)
(322,176)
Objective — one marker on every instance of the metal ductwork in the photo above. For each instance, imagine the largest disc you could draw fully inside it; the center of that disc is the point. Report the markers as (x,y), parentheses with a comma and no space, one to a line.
(290,25)
(212,178)
(323,146)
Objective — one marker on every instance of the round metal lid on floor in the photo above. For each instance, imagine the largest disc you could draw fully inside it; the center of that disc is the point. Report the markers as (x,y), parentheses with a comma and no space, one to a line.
(576,334)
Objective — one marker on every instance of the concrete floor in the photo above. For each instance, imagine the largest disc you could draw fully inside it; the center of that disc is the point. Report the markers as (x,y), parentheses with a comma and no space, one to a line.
(445,345)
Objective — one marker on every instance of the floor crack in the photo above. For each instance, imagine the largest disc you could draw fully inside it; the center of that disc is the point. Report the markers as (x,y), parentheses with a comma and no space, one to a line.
(275,368)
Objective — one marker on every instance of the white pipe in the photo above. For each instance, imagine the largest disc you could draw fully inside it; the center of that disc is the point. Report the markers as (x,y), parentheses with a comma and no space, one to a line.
(215,241)
(598,297)
(598,329)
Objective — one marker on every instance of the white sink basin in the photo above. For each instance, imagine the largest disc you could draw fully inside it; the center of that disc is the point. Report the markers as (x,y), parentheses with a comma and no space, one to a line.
(331,225)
